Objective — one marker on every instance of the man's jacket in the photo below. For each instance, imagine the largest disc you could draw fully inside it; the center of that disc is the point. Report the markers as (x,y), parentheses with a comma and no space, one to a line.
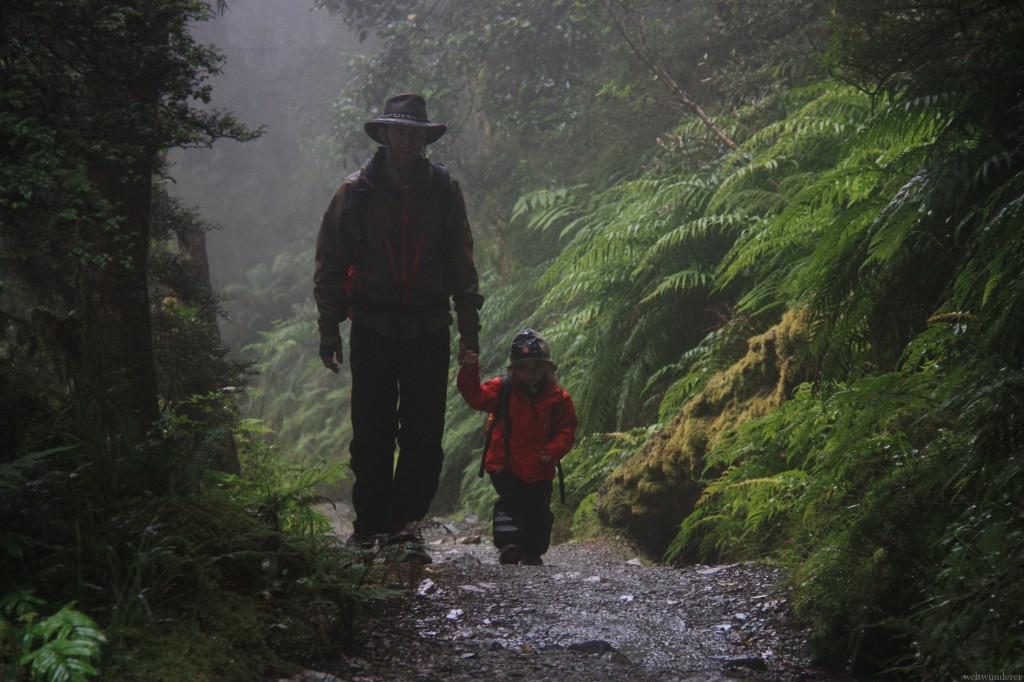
(546,422)
(410,253)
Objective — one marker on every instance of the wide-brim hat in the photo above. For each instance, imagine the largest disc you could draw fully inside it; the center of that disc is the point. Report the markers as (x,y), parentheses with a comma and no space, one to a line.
(405,110)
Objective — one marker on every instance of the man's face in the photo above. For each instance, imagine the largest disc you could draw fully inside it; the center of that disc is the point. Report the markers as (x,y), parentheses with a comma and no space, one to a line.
(405,140)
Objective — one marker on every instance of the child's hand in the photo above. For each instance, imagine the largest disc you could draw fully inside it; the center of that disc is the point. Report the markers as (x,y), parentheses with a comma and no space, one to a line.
(544,456)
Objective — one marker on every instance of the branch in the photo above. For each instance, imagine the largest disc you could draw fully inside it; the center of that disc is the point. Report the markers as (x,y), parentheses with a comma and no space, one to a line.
(636,42)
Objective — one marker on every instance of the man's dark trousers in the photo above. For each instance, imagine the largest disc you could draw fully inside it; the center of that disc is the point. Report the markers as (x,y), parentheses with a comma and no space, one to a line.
(399,389)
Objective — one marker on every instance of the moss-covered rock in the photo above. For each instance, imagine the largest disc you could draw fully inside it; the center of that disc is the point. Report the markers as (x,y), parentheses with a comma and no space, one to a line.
(648,496)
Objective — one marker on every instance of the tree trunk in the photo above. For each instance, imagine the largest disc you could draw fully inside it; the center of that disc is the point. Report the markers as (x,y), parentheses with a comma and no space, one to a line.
(117,342)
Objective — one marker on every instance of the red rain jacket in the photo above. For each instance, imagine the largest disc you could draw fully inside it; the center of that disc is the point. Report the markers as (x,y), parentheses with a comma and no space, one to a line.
(544,422)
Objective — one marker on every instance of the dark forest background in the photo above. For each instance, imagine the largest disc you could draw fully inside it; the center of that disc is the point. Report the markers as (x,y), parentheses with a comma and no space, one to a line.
(776,247)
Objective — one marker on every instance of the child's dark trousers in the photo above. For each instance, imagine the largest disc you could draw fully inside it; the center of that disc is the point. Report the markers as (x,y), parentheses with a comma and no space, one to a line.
(522,514)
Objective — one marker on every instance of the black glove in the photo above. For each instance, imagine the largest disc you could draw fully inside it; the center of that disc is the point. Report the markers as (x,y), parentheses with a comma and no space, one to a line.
(328,352)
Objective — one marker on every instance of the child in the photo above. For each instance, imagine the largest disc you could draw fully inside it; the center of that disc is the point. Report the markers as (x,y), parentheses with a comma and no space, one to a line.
(538,429)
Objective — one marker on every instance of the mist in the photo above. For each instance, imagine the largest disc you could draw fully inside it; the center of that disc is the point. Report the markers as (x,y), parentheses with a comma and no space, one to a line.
(285,63)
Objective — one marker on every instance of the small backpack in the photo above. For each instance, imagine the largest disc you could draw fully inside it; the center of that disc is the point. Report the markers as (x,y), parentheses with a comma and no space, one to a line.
(501,412)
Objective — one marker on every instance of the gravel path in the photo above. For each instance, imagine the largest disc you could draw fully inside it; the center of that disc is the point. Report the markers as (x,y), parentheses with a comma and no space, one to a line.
(592,612)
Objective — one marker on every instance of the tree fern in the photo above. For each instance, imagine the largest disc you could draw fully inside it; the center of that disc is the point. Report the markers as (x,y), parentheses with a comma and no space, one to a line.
(989,278)
(860,243)
(601,286)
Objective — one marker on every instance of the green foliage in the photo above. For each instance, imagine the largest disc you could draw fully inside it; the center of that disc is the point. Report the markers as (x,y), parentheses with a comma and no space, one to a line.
(305,405)
(529,71)
(271,295)
(593,296)
(246,561)
(140,576)
(714,354)
(117,517)
(225,595)
(191,358)
(128,531)
(93,95)
(973,590)
(968,47)
(594,458)
(884,476)
(279,493)
(62,647)
(586,468)
(888,507)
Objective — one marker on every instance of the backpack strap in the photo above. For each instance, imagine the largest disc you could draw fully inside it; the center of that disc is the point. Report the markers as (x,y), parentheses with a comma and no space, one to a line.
(358,199)
(443,180)
(500,412)
(357,204)
(558,464)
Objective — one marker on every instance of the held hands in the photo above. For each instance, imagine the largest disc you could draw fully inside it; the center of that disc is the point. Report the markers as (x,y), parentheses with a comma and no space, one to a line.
(468,359)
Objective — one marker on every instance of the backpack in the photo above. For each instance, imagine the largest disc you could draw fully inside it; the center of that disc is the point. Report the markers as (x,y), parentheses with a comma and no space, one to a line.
(360,199)
(501,412)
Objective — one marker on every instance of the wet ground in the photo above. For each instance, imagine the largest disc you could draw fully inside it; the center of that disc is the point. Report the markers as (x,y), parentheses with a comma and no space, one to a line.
(593,611)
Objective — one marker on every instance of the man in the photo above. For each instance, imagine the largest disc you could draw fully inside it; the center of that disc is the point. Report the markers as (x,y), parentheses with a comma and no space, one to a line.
(394,248)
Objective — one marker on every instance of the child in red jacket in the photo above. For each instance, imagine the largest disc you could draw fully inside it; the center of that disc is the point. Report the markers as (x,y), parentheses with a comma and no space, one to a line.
(538,429)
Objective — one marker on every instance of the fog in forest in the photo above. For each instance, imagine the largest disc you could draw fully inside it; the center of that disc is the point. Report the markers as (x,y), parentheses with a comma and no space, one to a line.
(285,63)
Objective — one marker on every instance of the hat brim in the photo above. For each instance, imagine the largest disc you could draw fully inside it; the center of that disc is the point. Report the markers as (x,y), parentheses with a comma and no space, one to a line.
(549,363)
(374,129)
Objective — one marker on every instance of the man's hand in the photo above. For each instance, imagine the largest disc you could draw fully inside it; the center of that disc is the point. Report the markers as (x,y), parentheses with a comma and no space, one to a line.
(331,357)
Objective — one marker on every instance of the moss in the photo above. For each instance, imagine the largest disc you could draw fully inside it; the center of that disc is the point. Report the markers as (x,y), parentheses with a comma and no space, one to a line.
(236,600)
(585,523)
(650,494)
(227,641)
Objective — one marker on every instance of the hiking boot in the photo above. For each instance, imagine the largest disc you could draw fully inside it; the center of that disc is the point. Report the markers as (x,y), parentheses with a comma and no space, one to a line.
(360,541)
(532,560)
(510,554)
(402,538)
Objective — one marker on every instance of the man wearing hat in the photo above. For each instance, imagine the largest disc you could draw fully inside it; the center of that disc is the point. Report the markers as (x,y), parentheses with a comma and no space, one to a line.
(394,252)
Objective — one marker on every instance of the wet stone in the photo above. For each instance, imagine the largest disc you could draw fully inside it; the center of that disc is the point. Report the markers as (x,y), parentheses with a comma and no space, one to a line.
(594,646)
(749,663)
(616,657)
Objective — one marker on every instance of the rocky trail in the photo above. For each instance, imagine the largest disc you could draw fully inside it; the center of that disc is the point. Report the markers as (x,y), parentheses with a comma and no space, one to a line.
(593,611)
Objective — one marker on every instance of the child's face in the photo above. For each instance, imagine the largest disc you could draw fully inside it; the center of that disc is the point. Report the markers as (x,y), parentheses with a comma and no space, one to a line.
(530,372)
